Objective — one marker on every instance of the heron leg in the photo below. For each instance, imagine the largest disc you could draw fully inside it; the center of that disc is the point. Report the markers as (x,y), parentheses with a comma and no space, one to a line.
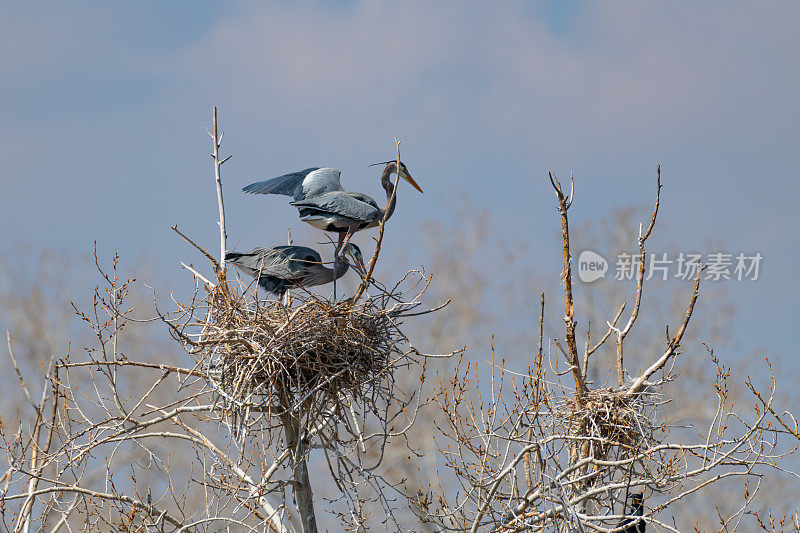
(339,245)
(282,301)
(335,276)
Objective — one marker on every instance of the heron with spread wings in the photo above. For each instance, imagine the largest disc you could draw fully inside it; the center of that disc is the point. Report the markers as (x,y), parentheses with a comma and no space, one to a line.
(323,203)
(280,268)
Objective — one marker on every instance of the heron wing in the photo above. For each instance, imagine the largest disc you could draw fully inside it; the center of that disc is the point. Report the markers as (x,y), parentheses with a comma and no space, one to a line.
(296,260)
(250,262)
(363,198)
(274,261)
(300,185)
(279,268)
(340,204)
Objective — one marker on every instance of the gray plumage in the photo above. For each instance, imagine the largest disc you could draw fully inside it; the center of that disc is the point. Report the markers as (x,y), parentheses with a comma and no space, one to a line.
(280,268)
(339,211)
(323,203)
(299,185)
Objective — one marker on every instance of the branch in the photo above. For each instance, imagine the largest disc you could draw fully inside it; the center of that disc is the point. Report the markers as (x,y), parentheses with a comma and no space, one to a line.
(298,447)
(92,494)
(612,326)
(217,175)
(36,466)
(158,366)
(198,275)
(564,203)
(641,381)
(639,281)
(202,250)
(768,407)
(253,489)
(19,373)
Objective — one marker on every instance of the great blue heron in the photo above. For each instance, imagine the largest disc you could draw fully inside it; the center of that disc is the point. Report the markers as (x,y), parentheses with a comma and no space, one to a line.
(281,268)
(324,204)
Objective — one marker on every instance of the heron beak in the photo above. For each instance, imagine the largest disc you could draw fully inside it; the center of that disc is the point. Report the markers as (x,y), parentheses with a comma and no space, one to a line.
(406,176)
(359,263)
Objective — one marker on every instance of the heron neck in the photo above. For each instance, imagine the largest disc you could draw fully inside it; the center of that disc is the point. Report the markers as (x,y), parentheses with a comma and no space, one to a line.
(388,186)
(340,269)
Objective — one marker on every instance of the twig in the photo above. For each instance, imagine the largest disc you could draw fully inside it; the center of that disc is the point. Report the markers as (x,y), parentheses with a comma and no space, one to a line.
(158,366)
(199,248)
(217,140)
(640,382)
(611,328)
(198,274)
(17,370)
(253,489)
(639,282)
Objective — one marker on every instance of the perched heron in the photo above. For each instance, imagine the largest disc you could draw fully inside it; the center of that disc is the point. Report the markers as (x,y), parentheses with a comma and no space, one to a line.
(323,203)
(281,268)
(635,525)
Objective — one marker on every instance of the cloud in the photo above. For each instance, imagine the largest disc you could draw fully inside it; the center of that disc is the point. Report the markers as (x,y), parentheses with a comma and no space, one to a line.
(640,71)
(305,55)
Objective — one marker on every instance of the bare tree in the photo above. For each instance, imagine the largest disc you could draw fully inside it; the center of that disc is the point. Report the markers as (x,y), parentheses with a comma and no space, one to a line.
(542,451)
(263,386)
(274,411)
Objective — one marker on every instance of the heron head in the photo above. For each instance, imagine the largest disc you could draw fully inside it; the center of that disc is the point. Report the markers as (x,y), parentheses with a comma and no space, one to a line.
(637,499)
(354,252)
(403,173)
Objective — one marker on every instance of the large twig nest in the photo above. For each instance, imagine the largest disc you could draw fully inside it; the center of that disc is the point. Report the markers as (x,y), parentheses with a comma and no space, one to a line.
(614,419)
(264,356)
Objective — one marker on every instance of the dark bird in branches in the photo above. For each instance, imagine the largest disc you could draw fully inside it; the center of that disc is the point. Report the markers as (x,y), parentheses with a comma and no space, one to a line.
(635,525)
(281,268)
(323,203)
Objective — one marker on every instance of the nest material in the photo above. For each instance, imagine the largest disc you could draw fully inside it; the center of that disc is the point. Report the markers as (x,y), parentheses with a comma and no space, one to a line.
(614,419)
(264,356)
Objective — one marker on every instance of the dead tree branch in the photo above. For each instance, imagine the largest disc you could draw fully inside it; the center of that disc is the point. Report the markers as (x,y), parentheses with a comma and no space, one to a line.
(622,333)
(216,138)
(564,203)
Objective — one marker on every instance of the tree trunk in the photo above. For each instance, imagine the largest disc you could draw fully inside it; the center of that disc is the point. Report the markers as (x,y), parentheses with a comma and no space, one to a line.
(302,485)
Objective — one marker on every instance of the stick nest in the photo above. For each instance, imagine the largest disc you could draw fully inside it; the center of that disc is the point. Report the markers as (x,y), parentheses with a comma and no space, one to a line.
(614,420)
(266,357)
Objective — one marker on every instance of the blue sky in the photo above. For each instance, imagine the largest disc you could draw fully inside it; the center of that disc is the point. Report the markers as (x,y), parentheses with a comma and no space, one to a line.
(104,105)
